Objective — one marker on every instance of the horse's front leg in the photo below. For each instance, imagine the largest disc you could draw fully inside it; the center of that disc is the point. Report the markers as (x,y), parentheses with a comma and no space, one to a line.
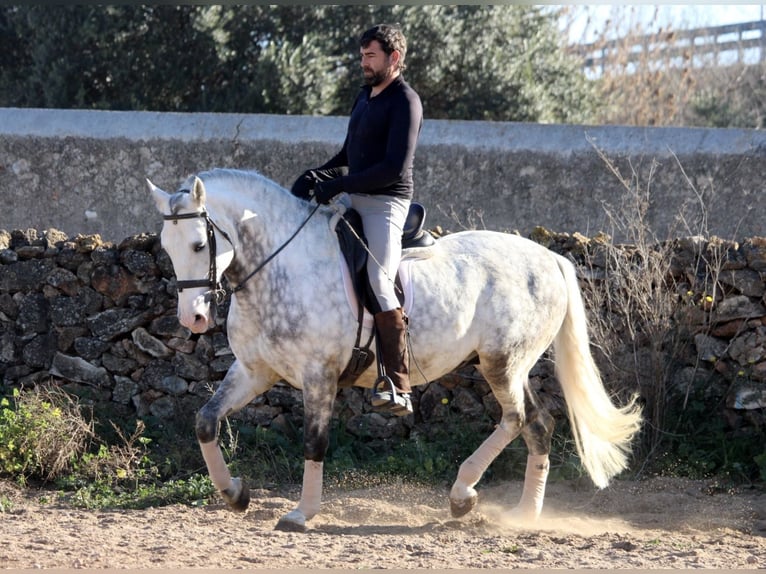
(237,389)
(318,401)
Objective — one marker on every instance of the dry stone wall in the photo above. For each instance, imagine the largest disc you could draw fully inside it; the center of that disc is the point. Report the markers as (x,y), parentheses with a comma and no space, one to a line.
(99,318)
(83,171)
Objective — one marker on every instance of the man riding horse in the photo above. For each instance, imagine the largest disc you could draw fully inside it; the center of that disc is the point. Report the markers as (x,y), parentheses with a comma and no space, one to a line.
(374,167)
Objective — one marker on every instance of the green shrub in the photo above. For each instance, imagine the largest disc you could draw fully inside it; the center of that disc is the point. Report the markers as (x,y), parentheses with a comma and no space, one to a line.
(45,437)
(42,434)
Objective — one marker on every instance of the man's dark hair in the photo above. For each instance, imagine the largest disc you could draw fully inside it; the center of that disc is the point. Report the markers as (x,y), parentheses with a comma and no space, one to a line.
(390,38)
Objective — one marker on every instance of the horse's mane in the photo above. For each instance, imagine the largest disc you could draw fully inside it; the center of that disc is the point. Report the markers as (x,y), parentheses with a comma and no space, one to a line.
(241,178)
(241,187)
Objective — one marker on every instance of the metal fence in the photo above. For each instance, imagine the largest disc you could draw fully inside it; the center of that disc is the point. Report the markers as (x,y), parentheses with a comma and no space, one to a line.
(743,43)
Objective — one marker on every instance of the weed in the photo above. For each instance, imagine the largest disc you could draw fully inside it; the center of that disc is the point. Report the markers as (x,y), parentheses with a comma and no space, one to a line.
(634,301)
(124,475)
(262,456)
(760,461)
(646,309)
(44,436)
(197,490)
(6,505)
(42,433)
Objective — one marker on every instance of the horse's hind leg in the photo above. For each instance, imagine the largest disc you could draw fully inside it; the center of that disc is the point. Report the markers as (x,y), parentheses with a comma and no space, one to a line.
(463,496)
(521,415)
(537,434)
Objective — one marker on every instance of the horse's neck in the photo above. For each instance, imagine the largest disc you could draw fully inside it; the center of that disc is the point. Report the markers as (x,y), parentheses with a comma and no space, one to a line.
(262,217)
(261,224)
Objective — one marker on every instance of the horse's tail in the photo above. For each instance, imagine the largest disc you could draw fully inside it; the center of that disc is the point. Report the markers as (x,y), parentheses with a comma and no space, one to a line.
(602,431)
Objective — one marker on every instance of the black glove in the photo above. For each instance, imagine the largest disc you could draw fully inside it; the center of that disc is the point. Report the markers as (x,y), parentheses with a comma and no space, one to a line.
(305,184)
(324,191)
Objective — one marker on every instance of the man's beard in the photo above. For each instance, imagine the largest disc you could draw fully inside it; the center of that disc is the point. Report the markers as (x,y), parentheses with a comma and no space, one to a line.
(376,78)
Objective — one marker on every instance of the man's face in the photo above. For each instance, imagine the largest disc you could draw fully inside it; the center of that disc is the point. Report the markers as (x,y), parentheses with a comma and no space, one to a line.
(376,64)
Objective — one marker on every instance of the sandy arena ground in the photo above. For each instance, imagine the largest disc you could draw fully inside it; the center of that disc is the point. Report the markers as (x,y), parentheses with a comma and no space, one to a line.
(655,524)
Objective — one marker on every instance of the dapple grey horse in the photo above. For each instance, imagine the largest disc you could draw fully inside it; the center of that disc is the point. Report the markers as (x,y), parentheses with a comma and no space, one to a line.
(488,296)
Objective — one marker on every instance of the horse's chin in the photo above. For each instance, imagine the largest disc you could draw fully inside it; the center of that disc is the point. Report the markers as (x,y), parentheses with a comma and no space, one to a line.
(199,326)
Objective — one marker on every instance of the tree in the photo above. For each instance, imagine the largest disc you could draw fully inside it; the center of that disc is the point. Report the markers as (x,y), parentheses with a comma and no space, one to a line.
(494,63)
(467,62)
(270,61)
(109,57)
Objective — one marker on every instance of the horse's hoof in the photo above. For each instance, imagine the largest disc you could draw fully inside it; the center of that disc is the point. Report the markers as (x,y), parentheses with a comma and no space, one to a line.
(462,499)
(293,521)
(460,508)
(237,497)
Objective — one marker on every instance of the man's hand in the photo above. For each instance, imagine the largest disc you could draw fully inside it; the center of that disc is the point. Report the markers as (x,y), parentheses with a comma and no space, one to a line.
(324,191)
(304,184)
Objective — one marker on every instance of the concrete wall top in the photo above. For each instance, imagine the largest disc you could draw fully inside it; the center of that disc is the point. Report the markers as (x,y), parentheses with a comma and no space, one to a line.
(82,171)
(506,136)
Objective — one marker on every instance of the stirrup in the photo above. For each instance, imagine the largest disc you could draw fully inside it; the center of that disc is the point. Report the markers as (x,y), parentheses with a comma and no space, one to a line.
(389,399)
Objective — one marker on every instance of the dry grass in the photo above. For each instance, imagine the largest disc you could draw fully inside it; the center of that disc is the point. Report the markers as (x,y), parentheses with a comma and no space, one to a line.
(649,74)
(46,434)
(638,300)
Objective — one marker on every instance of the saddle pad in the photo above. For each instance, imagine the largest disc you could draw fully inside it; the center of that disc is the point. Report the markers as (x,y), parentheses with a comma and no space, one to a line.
(353,302)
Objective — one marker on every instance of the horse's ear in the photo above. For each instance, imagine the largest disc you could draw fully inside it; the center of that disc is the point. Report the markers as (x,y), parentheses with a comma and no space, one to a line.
(198,191)
(161,199)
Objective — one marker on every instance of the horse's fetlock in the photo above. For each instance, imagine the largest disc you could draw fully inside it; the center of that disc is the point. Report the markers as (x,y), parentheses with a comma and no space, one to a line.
(511,425)
(315,445)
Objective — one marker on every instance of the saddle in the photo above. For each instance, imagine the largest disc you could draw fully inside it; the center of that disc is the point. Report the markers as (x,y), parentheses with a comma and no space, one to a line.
(355,254)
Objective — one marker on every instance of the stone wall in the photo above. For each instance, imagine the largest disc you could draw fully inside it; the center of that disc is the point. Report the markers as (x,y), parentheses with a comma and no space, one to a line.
(83,171)
(99,318)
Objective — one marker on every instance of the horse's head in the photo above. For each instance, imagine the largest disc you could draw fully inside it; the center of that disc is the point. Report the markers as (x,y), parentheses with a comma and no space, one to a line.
(199,251)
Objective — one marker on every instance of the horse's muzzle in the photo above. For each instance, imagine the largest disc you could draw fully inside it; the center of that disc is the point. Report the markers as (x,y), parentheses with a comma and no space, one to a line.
(199,324)
(197,316)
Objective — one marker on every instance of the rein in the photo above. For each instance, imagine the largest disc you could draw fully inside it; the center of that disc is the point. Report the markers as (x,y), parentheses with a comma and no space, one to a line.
(273,255)
(216,293)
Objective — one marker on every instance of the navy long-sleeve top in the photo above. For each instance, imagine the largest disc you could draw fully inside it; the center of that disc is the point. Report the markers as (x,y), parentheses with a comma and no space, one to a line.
(379,149)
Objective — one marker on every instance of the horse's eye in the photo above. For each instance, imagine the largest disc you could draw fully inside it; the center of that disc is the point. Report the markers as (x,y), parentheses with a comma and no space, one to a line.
(199,247)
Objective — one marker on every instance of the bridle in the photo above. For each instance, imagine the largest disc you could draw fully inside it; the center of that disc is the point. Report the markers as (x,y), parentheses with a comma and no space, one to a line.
(216,294)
